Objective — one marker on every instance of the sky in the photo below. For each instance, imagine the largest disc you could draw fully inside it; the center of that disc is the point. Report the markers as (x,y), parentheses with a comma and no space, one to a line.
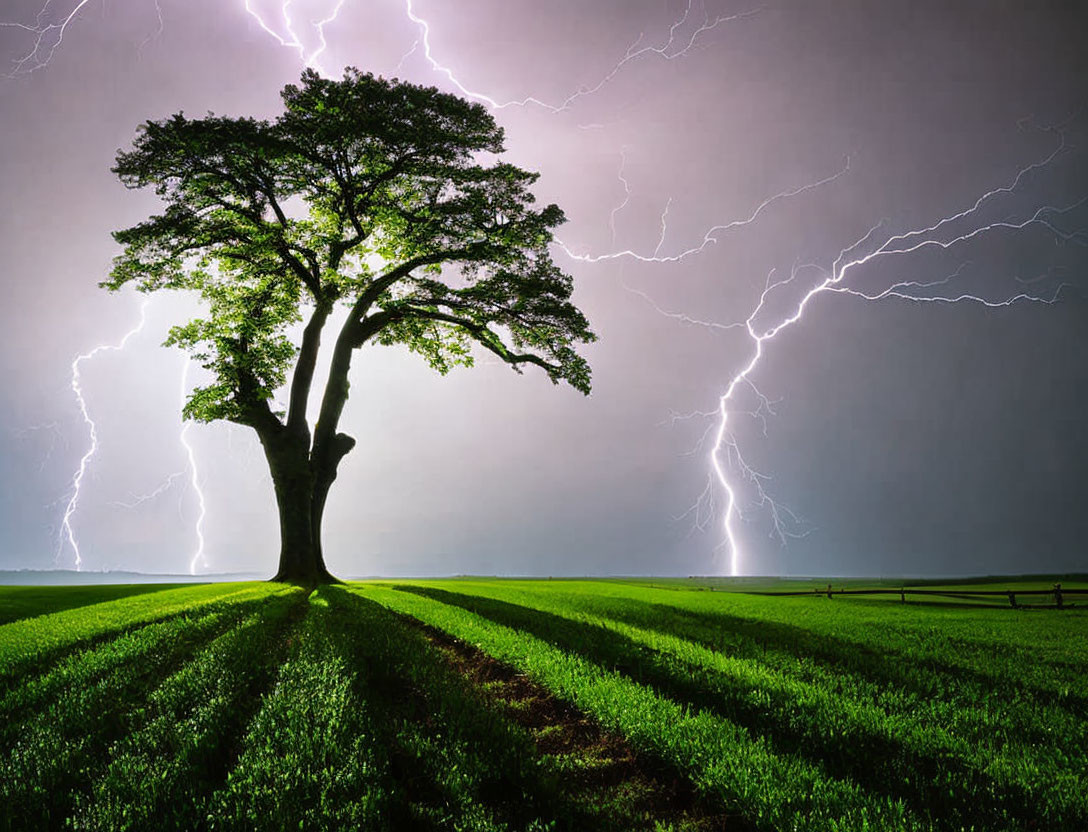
(718,163)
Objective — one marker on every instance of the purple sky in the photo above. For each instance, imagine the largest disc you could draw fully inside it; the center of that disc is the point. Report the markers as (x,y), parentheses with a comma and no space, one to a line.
(907,437)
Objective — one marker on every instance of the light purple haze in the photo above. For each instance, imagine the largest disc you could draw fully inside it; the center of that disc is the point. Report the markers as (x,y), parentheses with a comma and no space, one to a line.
(910,438)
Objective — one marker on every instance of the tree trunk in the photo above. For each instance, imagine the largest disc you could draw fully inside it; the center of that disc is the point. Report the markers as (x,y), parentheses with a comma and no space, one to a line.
(301,561)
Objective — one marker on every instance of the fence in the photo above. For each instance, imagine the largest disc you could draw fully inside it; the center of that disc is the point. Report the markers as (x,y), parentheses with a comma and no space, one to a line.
(1058,593)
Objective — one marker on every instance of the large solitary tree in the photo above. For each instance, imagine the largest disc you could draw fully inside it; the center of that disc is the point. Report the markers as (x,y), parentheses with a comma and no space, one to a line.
(381,196)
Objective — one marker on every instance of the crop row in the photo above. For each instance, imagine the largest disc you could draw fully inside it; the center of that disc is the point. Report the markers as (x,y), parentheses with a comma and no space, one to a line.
(365,728)
(784,740)
(27,644)
(956,759)
(269,710)
(774,791)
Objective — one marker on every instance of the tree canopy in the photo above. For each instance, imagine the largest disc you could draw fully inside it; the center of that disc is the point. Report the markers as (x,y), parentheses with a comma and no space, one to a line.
(383,196)
(429,247)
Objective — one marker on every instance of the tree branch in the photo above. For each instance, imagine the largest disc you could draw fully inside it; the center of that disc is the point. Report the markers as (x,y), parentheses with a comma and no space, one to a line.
(486,338)
(303,378)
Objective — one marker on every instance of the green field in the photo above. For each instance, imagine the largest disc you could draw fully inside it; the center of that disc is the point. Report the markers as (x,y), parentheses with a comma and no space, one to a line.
(538,705)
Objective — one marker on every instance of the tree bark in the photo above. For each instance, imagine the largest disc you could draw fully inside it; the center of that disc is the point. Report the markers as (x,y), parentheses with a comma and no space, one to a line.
(301,560)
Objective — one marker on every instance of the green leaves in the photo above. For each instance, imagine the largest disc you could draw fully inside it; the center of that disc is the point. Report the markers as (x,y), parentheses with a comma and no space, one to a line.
(363,191)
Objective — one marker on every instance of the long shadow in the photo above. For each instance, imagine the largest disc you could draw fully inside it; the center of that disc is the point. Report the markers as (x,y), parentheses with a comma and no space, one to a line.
(80,731)
(42,662)
(22,602)
(15,704)
(749,638)
(423,701)
(189,770)
(951,793)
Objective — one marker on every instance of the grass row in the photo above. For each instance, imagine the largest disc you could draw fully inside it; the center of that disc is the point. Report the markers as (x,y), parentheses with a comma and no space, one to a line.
(59,749)
(966,757)
(188,731)
(772,790)
(256,706)
(30,642)
(266,710)
(28,601)
(367,729)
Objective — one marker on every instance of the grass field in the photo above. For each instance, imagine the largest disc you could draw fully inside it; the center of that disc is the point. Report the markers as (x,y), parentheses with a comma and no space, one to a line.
(537,705)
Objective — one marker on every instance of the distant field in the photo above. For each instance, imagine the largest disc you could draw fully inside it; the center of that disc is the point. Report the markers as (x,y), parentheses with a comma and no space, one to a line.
(539,705)
(25,601)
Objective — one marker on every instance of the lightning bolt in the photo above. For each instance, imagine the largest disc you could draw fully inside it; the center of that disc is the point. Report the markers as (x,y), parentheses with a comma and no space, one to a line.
(47,38)
(292,39)
(676,46)
(832,281)
(684,35)
(199,558)
(161,489)
(67,533)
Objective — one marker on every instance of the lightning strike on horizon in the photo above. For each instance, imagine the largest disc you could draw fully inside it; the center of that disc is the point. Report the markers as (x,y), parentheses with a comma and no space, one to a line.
(903,243)
(67,533)
(199,557)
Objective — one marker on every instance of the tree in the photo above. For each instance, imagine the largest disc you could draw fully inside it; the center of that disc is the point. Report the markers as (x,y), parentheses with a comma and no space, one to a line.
(364,192)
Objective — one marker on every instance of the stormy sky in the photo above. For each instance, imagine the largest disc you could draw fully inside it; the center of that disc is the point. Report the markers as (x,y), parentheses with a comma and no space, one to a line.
(906,437)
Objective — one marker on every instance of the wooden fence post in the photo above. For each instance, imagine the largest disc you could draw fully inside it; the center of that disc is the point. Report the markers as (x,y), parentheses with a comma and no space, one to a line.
(1058,595)
(903,595)
(1012,599)
(829,590)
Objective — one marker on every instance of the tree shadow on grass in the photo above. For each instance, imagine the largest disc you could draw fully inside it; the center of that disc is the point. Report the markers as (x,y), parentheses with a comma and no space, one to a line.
(435,723)
(22,602)
(59,751)
(950,792)
(925,678)
(16,700)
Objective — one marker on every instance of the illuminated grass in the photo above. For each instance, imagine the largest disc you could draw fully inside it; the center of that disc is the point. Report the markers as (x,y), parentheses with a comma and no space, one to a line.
(158,774)
(29,640)
(254,706)
(776,791)
(55,752)
(26,601)
(962,747)
(366,729)
(910,705)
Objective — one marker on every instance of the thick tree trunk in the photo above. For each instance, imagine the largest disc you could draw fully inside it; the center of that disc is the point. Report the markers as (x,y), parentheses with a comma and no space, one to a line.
(301,561)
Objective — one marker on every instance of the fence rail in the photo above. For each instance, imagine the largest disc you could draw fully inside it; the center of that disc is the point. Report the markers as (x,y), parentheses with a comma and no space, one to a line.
(1058,593)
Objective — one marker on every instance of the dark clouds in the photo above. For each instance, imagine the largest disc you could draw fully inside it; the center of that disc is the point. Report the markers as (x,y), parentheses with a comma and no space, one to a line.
(909,438)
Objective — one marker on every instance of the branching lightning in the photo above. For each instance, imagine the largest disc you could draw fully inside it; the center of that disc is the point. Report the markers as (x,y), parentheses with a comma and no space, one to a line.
(67,533)
(141,499)
(46,38)
(729,470)
(726,455)
(710,237)
(292,40)
(199,557)
(55,438)
(676,46)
